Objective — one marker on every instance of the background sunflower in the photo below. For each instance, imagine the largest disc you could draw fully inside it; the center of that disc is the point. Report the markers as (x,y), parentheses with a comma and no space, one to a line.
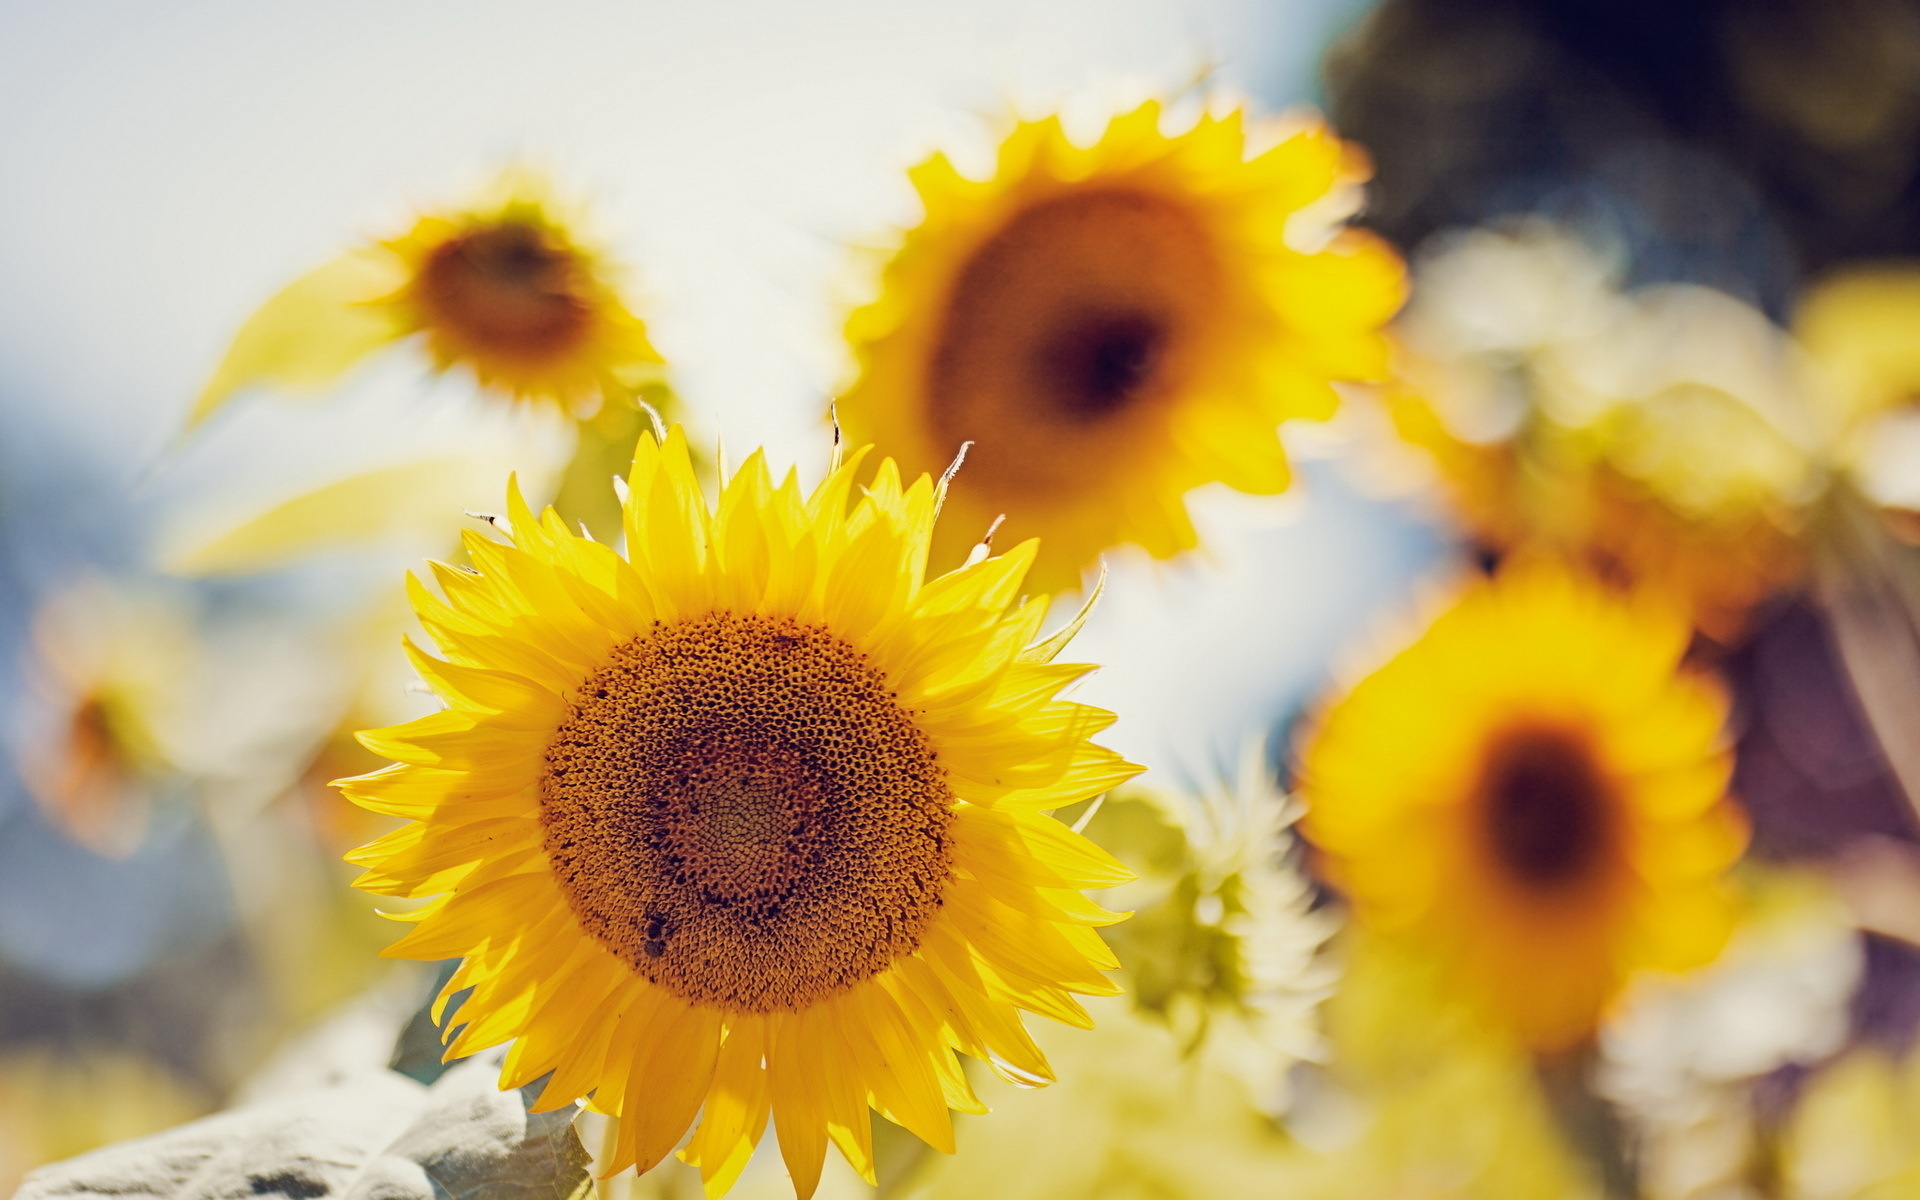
(1564,827)
(503,289)
(1112,325)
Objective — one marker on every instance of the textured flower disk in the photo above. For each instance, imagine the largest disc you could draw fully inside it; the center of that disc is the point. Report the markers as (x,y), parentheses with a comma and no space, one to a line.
(503,289)
(751,822)
(1115,325)
(1536,792)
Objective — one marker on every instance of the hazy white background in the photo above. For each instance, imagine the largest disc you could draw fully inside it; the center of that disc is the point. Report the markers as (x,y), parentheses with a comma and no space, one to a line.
(167,166)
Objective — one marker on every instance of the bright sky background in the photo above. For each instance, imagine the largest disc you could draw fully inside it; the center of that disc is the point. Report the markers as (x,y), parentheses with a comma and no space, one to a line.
(169,165)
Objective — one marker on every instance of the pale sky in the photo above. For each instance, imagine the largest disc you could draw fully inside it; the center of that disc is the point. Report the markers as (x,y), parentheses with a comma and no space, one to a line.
(169,165)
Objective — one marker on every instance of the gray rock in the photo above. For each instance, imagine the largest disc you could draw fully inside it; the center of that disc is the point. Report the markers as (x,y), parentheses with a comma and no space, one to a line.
(376,1136)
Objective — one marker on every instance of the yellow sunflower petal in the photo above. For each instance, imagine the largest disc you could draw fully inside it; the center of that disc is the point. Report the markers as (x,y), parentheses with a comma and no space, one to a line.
(311,331)
(736,1108)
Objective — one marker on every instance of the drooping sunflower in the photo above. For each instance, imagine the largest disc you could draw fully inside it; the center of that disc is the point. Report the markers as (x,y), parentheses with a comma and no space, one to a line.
(750,822)
(503,288)
(1537,793)
(1112,326)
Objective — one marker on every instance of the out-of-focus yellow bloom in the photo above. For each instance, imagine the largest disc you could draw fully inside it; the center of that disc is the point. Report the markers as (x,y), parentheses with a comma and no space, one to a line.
(1134,1116)
(111,669)
(1223,946)
(750,823)
(1419,1101)
(1552,493)
(1112,326)
(1858,327)
(1422,1098)
(1855,1134)
(1660,436)
(1699,398)
(1533,791)
(503,288)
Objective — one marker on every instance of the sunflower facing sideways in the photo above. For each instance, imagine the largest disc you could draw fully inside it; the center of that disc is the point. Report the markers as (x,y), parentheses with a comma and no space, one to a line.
(1114,325)
(753,821)
(1536,793)
(502,288)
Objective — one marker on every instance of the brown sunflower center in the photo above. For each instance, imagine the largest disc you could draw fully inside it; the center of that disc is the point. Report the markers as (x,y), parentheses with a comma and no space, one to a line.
(1099,364)
(1546,807)
(1075,321)
(89,791)
(511,289)
(739,808)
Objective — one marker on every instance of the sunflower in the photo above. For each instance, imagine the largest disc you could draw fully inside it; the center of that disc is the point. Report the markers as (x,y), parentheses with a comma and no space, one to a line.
(1115,325)
(99,748)
(1657,435)
(1548,488)
(502,288)
(1534,790)
(752,822)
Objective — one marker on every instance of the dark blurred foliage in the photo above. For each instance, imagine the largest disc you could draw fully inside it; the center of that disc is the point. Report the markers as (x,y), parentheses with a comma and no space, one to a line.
(1809,770)
(1886,1009)
(1743,144)
(1816,783)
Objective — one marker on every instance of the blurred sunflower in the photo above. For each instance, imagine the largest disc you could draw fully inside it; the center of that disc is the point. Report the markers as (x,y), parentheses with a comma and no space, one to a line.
(753,821)
(1423,1097)
(502,288)
(1852,1133)
(1134,1116)
(1659,436)
(112,666)
(1535,792)
(1551,488)
(1112,326)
